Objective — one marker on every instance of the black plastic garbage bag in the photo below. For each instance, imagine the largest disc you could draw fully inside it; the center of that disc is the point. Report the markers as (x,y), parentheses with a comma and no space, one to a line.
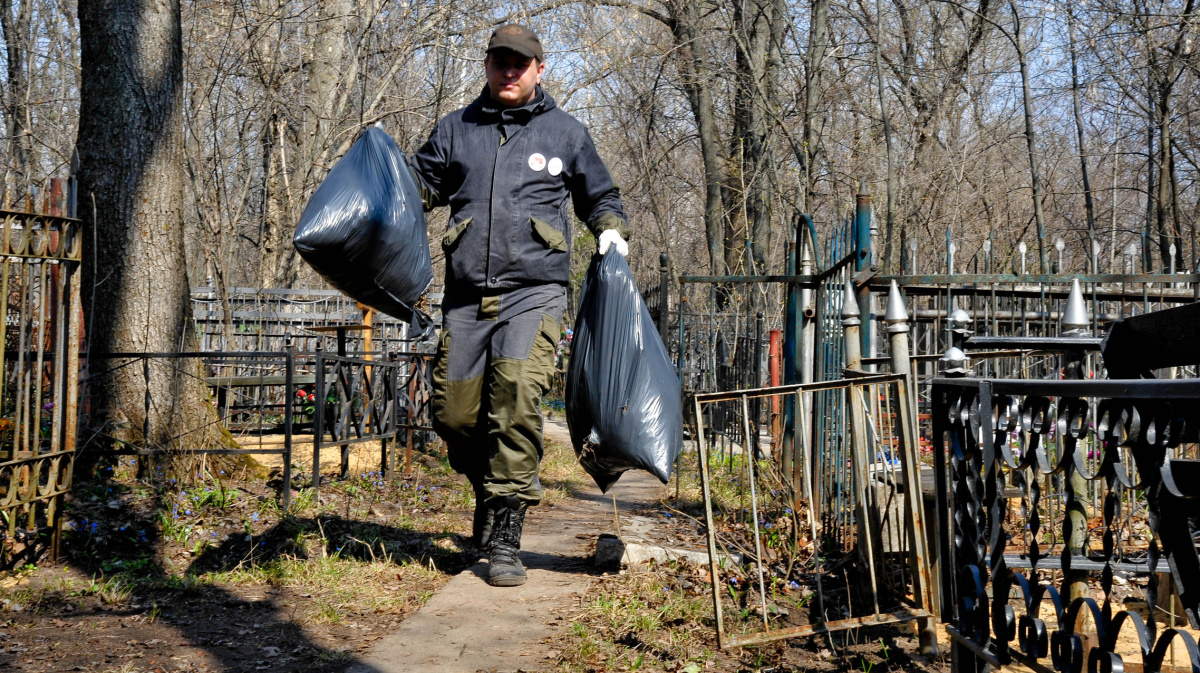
(623,405)
(363,229)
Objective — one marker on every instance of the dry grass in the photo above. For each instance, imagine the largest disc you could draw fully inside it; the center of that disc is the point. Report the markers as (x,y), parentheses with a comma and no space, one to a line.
(560,473)
(337,585)
(655,618)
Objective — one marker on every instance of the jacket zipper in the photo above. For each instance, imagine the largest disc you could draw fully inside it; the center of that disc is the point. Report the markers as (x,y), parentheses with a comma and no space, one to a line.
(489,279)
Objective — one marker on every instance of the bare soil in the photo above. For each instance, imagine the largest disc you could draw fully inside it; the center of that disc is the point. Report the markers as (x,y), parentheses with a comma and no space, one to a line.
(214,577)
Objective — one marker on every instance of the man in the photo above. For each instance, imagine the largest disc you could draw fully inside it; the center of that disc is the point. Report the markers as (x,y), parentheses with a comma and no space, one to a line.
(505,165)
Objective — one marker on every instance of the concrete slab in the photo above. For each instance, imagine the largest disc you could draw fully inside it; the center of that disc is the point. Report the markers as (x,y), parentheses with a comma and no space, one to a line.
(468,626)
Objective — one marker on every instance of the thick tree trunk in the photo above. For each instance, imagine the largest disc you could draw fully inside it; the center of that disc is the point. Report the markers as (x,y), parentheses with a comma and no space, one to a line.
(695,81)
(131,167)
(757,29)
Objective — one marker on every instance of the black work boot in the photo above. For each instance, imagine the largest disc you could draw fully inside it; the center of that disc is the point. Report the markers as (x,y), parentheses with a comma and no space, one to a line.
(505,569)
(481,528)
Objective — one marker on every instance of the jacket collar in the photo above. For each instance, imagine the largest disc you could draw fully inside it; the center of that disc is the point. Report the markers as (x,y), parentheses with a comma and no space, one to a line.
(542,102)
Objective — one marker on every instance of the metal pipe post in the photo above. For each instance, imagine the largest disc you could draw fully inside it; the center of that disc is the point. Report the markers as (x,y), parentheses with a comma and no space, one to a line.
(862,261)
(664,293)
(1075,324)
(318,416)
(851,328)
(896,319)
(791,352)
(756,408)
(289,401)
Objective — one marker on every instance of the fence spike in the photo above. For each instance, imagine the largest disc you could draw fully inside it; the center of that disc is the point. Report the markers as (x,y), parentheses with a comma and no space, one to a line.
(1075,320)
(850,312)
(896,315)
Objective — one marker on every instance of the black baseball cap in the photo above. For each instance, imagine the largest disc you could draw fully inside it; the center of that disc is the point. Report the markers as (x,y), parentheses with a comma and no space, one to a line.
(518,38)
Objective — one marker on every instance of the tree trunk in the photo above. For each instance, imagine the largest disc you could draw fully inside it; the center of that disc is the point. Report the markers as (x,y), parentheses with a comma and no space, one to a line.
(16,103)
(1088,204)
(1164,180)
(814,67)
(890,227)
(757,29)
(131,166)
(1035,178)
(695,81)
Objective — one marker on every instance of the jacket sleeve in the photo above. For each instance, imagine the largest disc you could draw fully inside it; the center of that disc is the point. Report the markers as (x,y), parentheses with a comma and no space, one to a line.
(596,199)
(428,166)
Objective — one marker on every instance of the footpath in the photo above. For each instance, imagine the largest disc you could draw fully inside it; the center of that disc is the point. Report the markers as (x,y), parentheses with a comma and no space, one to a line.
(469,626)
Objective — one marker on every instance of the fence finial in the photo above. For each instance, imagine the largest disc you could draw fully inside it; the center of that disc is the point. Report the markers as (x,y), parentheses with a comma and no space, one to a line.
(896,316)
(1075,320)
(850,313)
(955,362)
(959,323)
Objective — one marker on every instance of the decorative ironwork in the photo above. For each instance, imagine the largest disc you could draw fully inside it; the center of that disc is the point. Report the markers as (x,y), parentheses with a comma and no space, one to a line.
(39,349)
(1001,439)
(362,400)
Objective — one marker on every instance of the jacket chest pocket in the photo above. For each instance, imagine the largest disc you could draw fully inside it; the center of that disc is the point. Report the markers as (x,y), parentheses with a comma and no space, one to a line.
(548,234)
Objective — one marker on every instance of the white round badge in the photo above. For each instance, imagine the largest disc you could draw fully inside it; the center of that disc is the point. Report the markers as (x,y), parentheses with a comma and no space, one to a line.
(555,166)
(536,161)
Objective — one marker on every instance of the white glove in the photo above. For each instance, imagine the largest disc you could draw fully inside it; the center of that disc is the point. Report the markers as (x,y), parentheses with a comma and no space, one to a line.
(610,238)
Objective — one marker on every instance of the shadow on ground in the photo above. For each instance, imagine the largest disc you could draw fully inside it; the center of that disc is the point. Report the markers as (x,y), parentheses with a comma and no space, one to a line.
(147,608)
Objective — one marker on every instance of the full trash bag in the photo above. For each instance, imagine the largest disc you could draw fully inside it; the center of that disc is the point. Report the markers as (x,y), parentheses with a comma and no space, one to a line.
(363,229)
(623,404)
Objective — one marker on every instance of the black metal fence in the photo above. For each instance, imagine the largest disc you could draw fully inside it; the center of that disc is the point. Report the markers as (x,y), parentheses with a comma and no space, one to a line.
(1003,446)
(259,401)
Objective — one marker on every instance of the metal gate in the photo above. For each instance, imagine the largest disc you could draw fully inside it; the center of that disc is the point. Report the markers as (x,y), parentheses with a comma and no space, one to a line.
(39,349)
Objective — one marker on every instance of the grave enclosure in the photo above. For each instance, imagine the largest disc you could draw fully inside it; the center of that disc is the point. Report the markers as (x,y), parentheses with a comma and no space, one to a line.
(1010,457)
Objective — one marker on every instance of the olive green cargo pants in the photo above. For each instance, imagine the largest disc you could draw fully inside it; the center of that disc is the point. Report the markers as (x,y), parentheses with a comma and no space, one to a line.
(495,359)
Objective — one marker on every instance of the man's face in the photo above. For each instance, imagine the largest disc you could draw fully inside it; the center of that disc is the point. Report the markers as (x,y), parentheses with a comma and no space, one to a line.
(512,78)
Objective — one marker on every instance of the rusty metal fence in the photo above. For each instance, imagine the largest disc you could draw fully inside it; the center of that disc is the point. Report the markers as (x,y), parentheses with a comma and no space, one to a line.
(39,346)
(845,549)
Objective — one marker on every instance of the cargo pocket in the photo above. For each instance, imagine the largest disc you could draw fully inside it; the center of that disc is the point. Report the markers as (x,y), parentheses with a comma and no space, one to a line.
(553,238)
(543,353)
(453,234)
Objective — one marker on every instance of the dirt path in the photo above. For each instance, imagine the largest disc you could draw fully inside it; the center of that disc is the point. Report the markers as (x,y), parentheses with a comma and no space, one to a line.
(469,626)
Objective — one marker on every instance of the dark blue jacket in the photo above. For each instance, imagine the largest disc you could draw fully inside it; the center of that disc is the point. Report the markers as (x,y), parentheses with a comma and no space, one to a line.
(506,174)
